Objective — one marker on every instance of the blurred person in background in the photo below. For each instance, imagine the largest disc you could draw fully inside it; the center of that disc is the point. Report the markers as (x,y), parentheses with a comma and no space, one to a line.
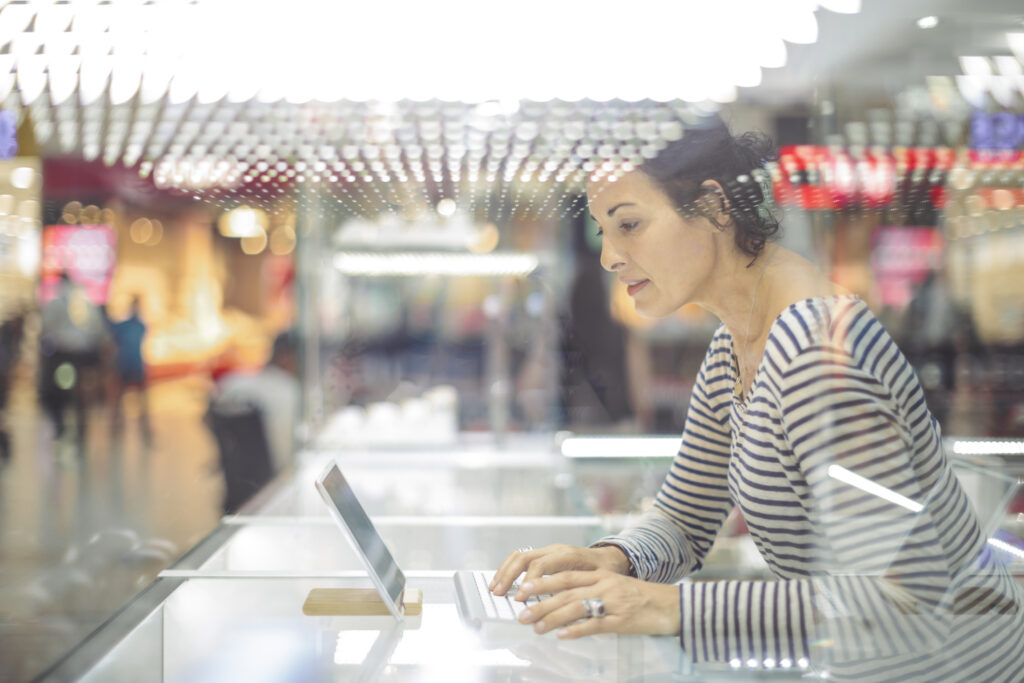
(72,336)
(253,417)
(129,368)
(594,348)
(803,410)
(274,390)
(11,334)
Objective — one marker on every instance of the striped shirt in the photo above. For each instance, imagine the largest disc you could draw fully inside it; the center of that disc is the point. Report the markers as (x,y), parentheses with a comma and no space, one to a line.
(838,469)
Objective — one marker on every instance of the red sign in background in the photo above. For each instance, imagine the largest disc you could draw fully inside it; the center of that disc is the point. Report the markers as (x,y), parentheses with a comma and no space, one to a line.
(87,253)
(816,177)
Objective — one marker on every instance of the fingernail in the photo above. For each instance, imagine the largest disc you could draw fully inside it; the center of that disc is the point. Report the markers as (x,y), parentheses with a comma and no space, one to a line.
(539,627)
(563,633)
(526,587)
(525,616)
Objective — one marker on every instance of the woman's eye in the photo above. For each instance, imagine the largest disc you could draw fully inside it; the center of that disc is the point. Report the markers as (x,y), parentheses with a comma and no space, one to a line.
(631,225)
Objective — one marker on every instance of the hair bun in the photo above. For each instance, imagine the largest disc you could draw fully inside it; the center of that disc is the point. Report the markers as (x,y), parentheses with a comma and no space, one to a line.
(755,149)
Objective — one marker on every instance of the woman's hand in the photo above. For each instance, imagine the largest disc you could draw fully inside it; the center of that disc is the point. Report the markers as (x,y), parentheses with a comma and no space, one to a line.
(556,558)
(630,605)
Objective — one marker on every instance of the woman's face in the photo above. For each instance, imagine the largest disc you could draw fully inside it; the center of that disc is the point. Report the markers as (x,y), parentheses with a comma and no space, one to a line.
(662,258)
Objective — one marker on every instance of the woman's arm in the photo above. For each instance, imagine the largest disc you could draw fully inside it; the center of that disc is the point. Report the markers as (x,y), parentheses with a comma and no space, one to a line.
(672,540)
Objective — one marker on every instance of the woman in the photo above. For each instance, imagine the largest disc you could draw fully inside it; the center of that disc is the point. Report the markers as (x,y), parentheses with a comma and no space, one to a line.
(806,416)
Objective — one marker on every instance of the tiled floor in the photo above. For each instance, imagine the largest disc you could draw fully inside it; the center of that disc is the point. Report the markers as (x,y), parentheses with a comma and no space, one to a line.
(80,536)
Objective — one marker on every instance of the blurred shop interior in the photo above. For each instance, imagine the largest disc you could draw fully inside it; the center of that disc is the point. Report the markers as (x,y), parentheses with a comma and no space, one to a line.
(386,261)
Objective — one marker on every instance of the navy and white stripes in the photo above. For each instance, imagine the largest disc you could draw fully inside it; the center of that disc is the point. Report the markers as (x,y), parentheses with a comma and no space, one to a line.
(838,469)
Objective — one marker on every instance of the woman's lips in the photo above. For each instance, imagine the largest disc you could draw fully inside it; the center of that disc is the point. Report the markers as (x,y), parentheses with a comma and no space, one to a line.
(634,288)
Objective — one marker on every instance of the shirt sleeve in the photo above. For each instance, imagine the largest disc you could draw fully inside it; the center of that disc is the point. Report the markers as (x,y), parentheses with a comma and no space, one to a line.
(880,575)
(672,539)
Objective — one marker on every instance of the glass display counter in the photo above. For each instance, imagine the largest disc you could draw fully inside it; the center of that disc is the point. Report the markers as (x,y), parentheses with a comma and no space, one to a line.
(254,630)
(231,608)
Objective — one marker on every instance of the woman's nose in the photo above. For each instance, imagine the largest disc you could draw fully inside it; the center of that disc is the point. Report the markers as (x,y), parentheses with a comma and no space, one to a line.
(610,259)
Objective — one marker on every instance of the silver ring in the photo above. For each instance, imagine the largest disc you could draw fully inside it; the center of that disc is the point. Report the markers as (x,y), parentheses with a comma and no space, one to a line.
(593,607)
(525,549)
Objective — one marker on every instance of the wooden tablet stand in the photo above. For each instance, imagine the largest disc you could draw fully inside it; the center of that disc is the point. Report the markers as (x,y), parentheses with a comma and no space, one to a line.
(330,602)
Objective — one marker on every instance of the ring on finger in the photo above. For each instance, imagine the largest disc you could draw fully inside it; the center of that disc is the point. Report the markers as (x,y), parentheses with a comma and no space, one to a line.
(524,549)
(593,607)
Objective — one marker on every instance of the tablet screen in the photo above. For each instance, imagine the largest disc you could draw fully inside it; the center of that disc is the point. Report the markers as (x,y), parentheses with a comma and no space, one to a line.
(362,533)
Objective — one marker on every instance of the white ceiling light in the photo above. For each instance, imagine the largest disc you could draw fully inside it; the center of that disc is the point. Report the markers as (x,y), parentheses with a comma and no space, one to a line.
(156,77)
(978,67)
(63,77)
(52,19)
(7,82)
(183,87)
(305,35)
(1007,65)
(369,264)
(22,177)
(771,53)
(973,89)
(26,45)
(13,20)
(1003,89)
(928,22)
(124,82)
(1016,43)
(619,446)
(841,6)
(242,222)
(993,447)
(31,78)
(799,26)
(93,76)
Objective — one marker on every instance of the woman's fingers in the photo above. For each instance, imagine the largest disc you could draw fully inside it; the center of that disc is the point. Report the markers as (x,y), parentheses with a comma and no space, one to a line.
(555,583)
(556,559)
(589,627)
(625,605)
(514,565)
(550,559)
(534,571)
(567,613)
(564,613)
(570,589)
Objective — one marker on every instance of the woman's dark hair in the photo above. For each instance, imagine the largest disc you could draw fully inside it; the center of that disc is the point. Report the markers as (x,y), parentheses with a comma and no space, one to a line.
(710,152)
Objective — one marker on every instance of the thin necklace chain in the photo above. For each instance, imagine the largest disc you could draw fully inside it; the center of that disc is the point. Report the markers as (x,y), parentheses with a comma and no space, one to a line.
(750,319)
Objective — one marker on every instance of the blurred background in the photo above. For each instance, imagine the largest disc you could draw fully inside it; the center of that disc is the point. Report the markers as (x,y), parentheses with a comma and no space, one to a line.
(365,226)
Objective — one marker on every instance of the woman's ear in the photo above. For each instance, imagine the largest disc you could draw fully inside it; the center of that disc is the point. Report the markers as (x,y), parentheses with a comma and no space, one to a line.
(715,202)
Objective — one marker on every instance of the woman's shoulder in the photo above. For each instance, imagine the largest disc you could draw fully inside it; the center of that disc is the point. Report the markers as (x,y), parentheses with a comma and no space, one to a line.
(838,324)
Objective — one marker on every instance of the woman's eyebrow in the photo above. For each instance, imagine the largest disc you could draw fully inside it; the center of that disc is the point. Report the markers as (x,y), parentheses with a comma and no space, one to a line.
(618,206)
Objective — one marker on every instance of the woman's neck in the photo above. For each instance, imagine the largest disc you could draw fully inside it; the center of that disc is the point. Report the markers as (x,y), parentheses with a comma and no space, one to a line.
(749,299)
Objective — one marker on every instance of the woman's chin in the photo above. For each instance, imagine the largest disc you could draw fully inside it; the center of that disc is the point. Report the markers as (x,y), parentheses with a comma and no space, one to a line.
(649,312)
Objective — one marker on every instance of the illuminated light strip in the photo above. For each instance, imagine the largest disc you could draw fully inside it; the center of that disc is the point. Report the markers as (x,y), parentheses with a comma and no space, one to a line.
(293,574)
(432,263)
(398,520)
(846,476)
(620,447)
(988,447)
(1003,545)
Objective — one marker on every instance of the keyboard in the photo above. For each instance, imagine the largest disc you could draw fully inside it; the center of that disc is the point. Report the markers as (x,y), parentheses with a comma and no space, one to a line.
(479,607)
